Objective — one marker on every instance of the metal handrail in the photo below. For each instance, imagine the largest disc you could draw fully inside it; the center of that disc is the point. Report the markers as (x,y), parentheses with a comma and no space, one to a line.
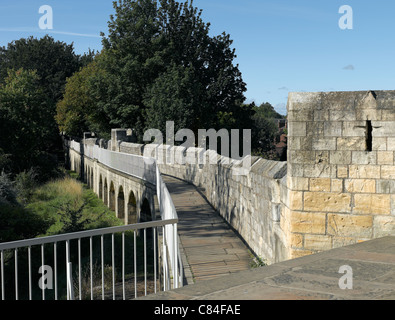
(172,262)
(83,234)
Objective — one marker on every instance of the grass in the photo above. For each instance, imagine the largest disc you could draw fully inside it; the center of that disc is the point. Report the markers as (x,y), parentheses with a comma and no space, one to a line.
(50,202)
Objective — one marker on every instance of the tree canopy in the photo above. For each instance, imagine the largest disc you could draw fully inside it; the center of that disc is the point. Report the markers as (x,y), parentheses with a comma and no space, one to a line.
(53,61)
(24,123)
(33,75)
(160,64)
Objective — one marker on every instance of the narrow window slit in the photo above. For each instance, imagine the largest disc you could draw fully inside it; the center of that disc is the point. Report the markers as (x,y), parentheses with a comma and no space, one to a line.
(369,136)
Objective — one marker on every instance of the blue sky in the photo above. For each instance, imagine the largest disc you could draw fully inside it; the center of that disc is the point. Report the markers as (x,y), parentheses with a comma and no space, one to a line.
(282,45)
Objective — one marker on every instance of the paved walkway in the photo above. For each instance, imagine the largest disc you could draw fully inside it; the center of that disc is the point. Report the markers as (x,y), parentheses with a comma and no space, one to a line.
(314,277)
(211,249)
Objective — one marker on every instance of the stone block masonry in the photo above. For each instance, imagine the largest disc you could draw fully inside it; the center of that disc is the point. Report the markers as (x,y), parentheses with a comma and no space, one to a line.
(341,167)
(250,203)
(336,188)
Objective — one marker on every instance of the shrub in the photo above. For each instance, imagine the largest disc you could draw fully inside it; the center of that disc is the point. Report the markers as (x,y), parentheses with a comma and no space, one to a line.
(17,223)
(25,183)
(72,218)
(8,193)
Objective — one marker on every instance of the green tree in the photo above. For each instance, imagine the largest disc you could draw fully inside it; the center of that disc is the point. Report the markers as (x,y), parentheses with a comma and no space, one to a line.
(265,130)
(29,97)
(25,126)
(160,62)
(73,218)
(77,112)
(267,111)
(53,60)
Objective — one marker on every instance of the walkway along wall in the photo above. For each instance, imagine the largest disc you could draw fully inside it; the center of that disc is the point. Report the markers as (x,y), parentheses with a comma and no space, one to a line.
(252,204)
(131,186)
(337,187)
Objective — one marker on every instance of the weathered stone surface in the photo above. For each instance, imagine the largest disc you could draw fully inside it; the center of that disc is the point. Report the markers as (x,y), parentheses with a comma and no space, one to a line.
(320,184)
(383,226)
(346,225)
(379,144)
(342,171)
(333,129)
(351,144)
(375,204)
(297,129)
(383,129)
(388,172)
(364,157)
(327,202)
(340,157)
(307,222)
(364,171)
(385,157)
(317,242)
(360,185)
(324,144)
(337,185)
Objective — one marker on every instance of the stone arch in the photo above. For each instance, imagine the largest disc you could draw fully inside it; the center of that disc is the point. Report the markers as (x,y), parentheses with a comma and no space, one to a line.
(105,192)
(111,202)
(85,173)
(91,178)
(121,203)
(100,188)
(132,208)
(88,175)
(145,211)
(146,216)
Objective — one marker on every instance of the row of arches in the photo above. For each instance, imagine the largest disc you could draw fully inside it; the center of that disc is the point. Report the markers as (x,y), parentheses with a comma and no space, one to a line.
(124,203)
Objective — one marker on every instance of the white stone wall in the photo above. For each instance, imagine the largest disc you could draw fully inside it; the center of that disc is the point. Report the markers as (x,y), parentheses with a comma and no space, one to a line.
(251,204)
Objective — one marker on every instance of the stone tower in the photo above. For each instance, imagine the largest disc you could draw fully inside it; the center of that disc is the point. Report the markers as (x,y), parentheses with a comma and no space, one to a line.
(341,187)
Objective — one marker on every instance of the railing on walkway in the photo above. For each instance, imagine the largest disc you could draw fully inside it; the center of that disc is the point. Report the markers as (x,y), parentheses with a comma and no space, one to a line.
(146,168)
(18,267)
(73,246)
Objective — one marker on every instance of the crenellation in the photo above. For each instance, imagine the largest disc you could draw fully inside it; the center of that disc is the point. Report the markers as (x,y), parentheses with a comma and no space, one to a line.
(336,188)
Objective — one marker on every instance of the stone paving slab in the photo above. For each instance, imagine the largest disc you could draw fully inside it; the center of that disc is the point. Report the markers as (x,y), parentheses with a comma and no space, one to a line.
(211,248)
(314,277)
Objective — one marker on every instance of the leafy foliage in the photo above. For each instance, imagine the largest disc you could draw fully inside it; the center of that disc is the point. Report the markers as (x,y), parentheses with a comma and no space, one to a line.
(25,183)
(70,207)
(25,126)
(18,223)
(265,130)
(33,74)
(159,64)
(76,111)
(8,193)
(73,219)
(53,61)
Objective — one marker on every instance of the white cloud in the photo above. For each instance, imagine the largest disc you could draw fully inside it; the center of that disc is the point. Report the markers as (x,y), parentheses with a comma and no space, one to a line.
(36,30)
(350,67)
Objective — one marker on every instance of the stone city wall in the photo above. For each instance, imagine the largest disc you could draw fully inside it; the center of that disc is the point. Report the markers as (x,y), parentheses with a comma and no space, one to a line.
(250,203)
(336,188)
